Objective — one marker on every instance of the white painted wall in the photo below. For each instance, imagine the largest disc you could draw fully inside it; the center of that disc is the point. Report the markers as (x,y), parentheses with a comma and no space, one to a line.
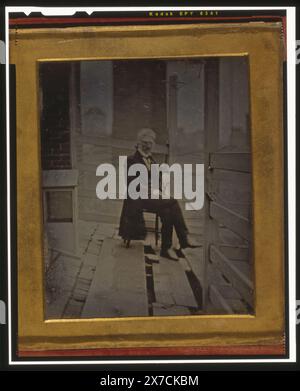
(96,87)
(188,137)
(234,102)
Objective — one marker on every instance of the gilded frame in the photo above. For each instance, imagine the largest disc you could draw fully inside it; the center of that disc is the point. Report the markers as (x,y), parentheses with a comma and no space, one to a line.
(262,43)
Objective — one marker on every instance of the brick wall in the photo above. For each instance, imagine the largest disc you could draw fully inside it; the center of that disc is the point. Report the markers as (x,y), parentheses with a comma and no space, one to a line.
(55,117)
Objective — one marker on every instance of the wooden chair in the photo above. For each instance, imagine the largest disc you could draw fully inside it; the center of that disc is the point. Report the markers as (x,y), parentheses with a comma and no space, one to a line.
(149,229)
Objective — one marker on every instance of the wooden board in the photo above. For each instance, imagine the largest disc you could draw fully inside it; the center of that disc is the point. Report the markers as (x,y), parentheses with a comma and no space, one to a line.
(235,252)
(232,220)
(184,264)
(226,299)
(171,284)
(231,161)
(237,272)
(165,310)
(228,237)
(119,285)
(243,179)
(60,178)
(195,260)
(60,281)
(162,286)
(215,277)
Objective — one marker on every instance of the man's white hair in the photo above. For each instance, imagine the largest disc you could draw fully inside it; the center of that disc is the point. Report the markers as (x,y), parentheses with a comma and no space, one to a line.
(146,134)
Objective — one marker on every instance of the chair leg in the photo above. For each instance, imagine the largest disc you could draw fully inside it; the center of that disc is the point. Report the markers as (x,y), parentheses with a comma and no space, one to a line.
(156,229)
(127,243)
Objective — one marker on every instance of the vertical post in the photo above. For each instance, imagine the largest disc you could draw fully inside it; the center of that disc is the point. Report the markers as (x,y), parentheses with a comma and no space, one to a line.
(172,115)
(74,127)
(172,125)
(74,111)
(211,141)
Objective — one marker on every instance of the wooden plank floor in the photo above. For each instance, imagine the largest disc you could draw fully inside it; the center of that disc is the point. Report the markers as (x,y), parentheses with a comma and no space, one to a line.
(112,281)
(119,285)
(77,274)
(195,259)
(171,284)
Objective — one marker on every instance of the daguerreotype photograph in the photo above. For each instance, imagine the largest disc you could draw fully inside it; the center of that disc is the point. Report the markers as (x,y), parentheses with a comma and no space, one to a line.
(146,187)
(150,187)
(150,177)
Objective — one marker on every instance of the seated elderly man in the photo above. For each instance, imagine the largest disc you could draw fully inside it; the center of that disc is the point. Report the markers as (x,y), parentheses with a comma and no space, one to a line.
(132,225)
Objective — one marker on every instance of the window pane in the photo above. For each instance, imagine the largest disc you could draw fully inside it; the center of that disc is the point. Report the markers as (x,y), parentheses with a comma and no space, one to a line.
(59,206)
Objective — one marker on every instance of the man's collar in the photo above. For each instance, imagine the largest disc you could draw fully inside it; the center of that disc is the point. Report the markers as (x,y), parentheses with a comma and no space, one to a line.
(143,153)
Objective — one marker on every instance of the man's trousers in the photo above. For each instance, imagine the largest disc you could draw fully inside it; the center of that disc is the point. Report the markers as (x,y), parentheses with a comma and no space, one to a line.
(171,216)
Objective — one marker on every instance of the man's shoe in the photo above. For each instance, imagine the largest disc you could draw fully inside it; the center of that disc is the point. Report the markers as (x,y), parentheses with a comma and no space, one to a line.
(189,244)
(169,254)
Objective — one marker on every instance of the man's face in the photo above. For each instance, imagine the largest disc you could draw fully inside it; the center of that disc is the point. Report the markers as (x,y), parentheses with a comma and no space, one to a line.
(146,146)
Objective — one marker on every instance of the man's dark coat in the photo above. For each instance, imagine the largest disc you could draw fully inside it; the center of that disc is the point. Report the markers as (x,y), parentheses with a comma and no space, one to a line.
(132,223)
